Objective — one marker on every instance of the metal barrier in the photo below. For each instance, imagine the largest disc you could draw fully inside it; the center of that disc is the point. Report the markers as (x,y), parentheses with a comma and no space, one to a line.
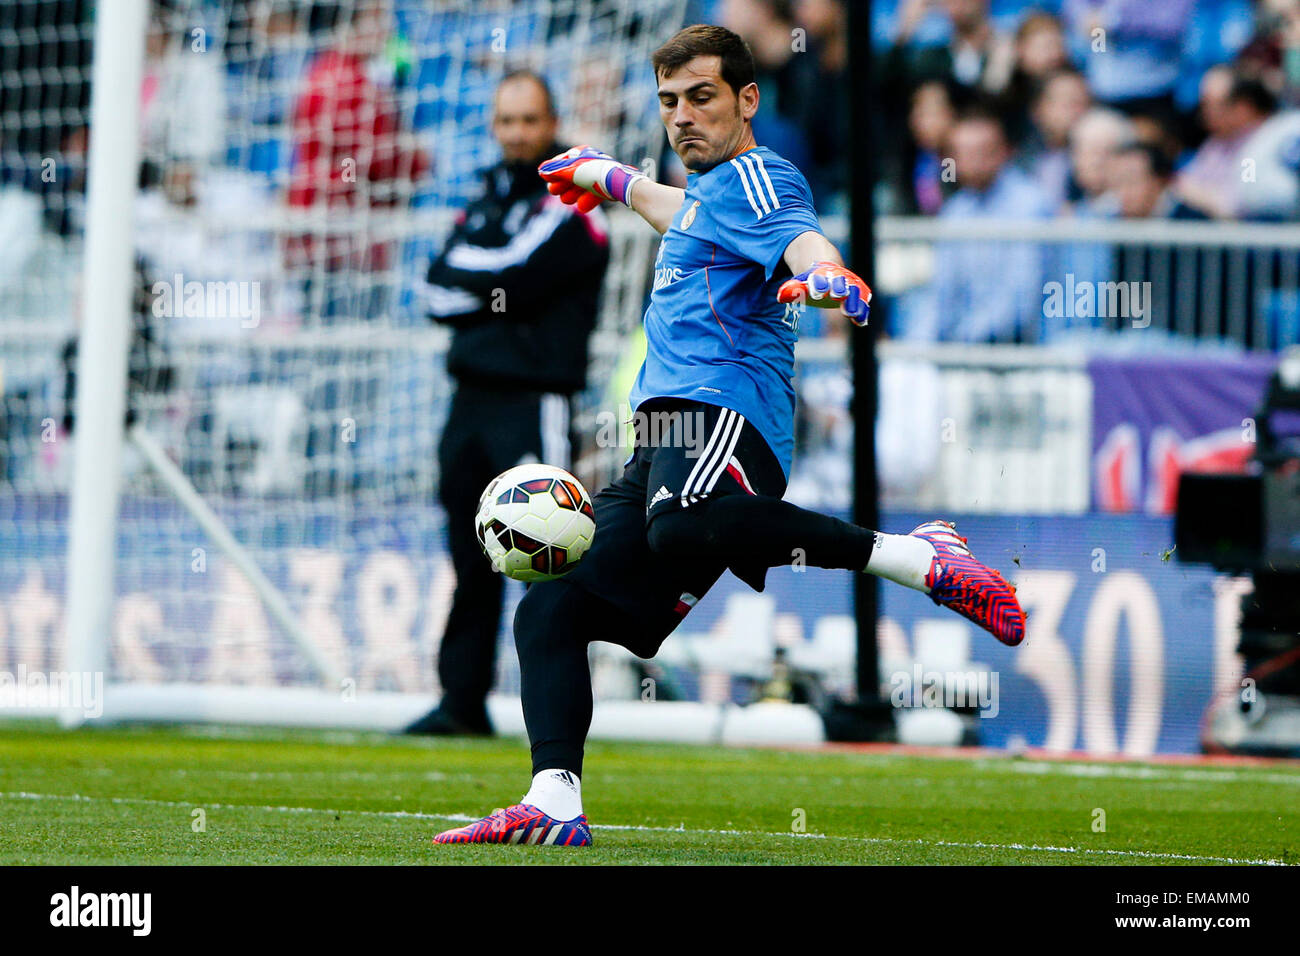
(1043,281)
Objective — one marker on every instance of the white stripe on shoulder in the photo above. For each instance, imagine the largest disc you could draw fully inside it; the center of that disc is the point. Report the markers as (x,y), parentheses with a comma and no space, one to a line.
(749,193)
(758,188)
(776,203)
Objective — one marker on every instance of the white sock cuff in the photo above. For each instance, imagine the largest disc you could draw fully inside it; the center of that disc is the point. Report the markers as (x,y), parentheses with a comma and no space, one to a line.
(902,559)
(557,793)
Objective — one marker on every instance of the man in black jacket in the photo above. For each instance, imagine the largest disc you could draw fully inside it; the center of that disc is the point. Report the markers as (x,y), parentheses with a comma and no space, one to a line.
(518,282)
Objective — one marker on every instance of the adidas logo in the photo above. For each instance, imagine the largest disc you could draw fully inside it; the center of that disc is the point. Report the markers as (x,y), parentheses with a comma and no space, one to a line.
(663,494)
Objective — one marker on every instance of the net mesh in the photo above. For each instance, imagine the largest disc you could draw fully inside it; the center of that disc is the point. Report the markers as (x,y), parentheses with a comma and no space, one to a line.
(301,163)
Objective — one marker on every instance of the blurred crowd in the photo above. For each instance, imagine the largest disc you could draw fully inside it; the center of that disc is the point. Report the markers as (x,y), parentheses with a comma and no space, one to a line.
(1040,105)
(988,109)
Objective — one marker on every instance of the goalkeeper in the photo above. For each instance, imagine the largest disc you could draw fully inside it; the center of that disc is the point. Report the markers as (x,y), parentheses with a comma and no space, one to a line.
(742,254)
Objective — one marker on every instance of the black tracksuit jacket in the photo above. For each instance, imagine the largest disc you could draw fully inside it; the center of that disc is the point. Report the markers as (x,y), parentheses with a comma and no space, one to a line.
(519,282)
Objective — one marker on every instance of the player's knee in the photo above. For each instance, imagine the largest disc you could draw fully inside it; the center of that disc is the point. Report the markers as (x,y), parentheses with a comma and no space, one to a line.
(680,533)
(666,534)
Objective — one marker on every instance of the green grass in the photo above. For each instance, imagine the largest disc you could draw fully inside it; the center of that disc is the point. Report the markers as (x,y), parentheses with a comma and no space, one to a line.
(126,795)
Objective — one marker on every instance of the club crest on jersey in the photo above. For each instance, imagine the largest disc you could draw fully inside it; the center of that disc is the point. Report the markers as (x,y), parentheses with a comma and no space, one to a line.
(690,215)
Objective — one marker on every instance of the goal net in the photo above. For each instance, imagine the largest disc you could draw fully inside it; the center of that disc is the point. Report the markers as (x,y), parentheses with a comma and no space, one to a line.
(279,548)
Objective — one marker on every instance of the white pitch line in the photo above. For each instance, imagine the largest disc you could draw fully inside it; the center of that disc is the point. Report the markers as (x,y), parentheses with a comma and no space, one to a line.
(1120,771)
(465,818)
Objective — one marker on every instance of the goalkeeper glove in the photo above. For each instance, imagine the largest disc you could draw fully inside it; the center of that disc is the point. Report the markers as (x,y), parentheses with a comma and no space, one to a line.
(586,177)
(827,285)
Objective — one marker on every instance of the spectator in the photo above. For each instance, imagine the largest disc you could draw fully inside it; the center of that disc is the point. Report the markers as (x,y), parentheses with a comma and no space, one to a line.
(45,103)
(768,27)
(1268,188)
(1093,144)
(979,57)
(1062,100)
(976,63)
(1134,49)
(987,291)
(350,152)
(1143,177)
(823,101)
(1233,108)
(1158,132)
(929,121)
(182,100)
(1040,52)
(1273,54)
(267,49)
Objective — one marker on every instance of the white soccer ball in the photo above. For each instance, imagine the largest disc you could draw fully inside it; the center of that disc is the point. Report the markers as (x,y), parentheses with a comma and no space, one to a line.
(535,522)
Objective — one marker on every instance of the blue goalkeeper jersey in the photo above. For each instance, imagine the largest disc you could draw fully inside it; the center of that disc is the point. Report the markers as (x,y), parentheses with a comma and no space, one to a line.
(714,330)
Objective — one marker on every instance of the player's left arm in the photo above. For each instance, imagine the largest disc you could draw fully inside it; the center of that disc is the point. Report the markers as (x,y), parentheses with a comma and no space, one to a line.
(821,278)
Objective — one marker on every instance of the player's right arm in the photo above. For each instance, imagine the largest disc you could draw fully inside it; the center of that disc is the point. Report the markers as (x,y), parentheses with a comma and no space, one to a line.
(586,177)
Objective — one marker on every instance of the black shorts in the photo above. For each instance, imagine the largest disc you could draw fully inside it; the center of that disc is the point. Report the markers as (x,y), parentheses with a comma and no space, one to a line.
(686,452)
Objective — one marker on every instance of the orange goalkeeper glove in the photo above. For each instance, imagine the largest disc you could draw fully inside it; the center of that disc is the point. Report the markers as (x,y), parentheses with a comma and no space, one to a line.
(586,177)
(827,285)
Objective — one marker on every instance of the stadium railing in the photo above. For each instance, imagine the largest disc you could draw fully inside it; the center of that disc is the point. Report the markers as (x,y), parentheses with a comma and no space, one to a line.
(1232,283)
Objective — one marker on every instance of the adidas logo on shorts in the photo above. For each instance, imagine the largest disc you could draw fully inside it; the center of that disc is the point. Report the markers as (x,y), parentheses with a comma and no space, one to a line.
(663,494)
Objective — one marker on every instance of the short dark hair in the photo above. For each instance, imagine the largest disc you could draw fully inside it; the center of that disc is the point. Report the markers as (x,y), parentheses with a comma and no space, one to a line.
(1158,161)
(1061,72)
(984,111)
(1249,90)
(705,40)
(524,73)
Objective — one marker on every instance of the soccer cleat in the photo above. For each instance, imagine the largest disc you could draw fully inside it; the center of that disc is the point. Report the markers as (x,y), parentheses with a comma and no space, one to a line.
(975,591)
(521,823)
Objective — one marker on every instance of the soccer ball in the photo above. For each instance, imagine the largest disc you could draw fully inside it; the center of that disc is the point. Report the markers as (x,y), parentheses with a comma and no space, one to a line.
(535,522)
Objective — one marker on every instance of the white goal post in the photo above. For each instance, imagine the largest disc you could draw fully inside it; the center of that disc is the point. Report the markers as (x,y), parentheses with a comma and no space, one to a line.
(105,337)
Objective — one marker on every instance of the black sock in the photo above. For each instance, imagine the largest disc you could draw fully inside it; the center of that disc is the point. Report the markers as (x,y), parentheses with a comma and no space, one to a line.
(554,623)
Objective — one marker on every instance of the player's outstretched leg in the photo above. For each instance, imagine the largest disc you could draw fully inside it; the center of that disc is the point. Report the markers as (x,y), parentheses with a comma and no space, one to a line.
(747,529)
(554,623)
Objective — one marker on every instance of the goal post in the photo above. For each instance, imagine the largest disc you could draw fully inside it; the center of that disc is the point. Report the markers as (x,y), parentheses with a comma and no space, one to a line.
(105,336)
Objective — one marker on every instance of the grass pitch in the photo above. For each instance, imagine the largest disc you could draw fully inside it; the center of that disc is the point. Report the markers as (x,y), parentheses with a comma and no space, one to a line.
(129,796)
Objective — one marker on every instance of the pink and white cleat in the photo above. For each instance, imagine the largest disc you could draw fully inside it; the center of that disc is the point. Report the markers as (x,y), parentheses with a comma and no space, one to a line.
(974,590)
